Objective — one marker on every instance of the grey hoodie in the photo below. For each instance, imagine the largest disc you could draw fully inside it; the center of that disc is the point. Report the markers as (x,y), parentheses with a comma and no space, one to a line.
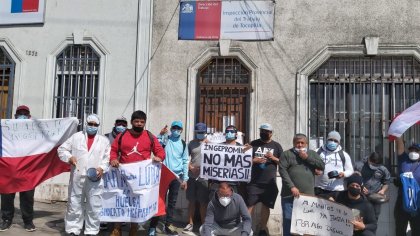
(227,217)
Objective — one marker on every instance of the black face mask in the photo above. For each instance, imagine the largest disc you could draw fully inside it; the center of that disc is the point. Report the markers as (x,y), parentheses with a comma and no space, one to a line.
(264,136)
(138,129)
(354,191)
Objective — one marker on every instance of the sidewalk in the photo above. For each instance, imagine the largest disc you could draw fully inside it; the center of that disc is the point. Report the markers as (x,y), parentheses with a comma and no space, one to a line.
(49,221)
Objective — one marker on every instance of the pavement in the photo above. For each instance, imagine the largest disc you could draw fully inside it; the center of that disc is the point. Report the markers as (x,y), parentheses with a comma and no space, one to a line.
(49,221)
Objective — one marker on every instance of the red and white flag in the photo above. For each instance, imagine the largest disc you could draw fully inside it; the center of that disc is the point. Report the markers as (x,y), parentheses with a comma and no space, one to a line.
(28,151)
(403,121)
(166,177)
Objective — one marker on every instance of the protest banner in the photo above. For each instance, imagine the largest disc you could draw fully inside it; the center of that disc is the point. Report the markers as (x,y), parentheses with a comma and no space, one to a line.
(131,192)
(316,216)
(225,162)
(28,151)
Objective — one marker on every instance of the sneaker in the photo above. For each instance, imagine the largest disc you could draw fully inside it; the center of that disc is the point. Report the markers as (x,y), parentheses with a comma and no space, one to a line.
(167,229)
(151,232)
(103,226)
(30,227)
(262,233)
(5,225)
(188,228)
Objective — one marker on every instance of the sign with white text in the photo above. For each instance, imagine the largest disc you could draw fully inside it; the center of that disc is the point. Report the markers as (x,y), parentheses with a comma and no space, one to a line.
(131,192)
(238,20)
(316,216)
(21,11)
(225,162)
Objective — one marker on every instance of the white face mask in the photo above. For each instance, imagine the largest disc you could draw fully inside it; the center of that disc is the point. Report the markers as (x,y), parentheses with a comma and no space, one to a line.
(297,150)
(414,156)
(225,201)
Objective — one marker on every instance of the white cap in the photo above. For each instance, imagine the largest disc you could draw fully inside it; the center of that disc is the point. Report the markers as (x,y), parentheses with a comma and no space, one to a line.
(266,126)
(93,118)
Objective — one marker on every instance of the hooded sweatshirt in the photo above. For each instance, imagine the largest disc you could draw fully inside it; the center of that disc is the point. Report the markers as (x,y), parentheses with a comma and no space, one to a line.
(227,217)
(333,162)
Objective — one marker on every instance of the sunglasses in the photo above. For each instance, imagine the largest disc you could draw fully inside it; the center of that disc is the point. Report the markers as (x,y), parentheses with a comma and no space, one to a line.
(122,124)
(231,131)
(93,124)
(333,140)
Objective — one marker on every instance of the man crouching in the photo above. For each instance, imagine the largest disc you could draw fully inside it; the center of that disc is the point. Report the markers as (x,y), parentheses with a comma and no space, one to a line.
(226,214)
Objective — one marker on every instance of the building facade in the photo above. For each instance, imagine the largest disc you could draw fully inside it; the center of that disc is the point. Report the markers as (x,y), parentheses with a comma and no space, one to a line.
(346,65)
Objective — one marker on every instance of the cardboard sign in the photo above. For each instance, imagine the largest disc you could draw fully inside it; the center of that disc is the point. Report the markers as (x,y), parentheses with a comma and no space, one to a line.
(225,162)
(316,216)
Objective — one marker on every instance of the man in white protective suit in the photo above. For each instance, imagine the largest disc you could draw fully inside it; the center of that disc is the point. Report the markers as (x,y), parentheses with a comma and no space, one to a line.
(88,154)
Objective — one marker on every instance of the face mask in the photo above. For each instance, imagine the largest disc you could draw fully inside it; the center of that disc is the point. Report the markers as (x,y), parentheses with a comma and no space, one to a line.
(138,129)
(225,201)
(230,136)
(373,167)
(91,130)
(120,128)
(297,150)
(200,136)
(175,133)
(354,191)
(331,145)
(264,136)
(414,156)
(20,117)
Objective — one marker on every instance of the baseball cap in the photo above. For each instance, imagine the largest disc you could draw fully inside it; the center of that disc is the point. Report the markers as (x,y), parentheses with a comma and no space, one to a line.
(121,119)
(23,107)
(415,146)
(177,123)
(200,127)
(266,126)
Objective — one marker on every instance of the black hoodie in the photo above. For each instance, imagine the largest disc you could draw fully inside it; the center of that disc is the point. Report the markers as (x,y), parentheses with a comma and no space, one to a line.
(227,217)
(365,208)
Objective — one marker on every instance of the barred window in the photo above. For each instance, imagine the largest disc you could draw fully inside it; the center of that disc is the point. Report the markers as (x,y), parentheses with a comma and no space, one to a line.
(358,97)
(224,87)
(7,74)
(76,82)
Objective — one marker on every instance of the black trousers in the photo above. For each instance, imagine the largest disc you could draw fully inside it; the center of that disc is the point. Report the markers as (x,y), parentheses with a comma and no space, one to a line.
(26,205)
(402,218)
(172,197)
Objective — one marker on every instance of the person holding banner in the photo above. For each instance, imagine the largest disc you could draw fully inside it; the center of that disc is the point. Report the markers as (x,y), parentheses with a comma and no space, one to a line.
(88,154)
(26,197)
(263,187)
(337,167)
(176,159)
(407,162)
(364,222)
(231,135)
(297,170)
(133,145)
(197,190)
(226,214)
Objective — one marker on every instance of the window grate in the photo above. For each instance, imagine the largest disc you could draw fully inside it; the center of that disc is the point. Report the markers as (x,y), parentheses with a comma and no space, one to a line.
(224,87)
(76,83)
(359,96)
(7,69)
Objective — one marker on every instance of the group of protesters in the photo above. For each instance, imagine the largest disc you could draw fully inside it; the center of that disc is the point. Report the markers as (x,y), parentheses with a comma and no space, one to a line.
(225,207)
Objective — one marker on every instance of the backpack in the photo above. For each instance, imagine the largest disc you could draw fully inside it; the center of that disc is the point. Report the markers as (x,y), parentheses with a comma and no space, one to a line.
(410,192)
(340,153)
(122,134)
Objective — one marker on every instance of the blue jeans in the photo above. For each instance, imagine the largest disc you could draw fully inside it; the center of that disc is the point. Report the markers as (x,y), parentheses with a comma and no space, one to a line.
(287,207)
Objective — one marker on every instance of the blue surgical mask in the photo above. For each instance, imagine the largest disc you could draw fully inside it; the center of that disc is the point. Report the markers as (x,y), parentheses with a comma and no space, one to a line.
(21,117)
(120,128)
(230,136)
(91,130)
(200,136)
(175,133)
(331,145)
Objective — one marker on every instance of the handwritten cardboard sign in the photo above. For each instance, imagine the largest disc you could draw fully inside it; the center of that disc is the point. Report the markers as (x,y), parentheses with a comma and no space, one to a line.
(131,192)
(225,162)
(316,216)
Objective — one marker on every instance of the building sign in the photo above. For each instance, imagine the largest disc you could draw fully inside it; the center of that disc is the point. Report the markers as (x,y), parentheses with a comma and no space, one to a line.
(238,20)
(21,11)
